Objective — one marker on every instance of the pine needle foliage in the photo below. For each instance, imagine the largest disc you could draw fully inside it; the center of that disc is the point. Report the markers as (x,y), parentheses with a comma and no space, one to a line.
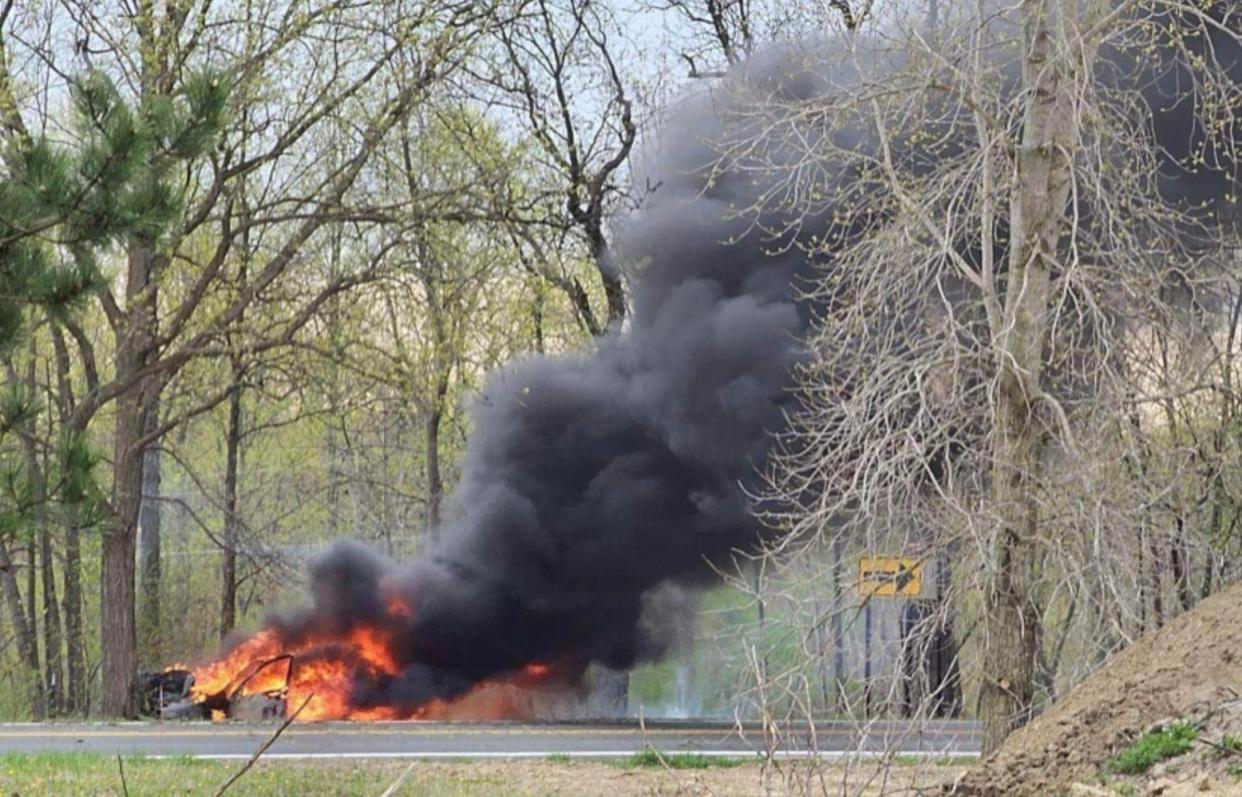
(61,207)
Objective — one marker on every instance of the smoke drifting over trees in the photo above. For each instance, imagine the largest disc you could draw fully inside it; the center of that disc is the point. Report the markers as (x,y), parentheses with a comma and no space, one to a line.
(1048,198)
(597,484)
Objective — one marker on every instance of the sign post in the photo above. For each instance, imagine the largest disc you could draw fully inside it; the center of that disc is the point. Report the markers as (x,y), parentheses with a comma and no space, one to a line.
(867,660)
(883,577)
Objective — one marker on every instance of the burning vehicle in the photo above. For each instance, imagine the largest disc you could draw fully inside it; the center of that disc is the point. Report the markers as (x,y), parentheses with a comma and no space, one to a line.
(172,694)
(266,678)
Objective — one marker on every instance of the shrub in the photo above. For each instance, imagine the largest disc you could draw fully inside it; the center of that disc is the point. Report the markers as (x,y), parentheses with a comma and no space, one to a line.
(1153,747)
(650,758)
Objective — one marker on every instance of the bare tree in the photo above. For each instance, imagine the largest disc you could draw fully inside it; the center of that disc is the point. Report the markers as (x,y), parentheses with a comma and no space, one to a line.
(716,35)
(1000,228)
(559,74)
(726,26)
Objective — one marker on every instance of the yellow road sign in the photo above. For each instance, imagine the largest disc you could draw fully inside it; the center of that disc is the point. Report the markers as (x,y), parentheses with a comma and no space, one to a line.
(890,576)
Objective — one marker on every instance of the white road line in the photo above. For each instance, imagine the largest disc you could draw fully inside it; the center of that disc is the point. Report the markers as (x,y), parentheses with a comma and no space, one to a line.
(833,755)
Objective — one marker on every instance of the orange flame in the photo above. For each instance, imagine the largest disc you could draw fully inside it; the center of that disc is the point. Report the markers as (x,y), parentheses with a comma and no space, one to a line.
(398,608)
(322,669)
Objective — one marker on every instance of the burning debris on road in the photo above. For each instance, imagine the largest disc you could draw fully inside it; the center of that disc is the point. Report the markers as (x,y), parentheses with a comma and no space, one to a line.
(262,677)
(172,694)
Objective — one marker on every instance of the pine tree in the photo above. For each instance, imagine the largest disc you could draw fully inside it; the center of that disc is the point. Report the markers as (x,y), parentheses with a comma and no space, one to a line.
(62,209)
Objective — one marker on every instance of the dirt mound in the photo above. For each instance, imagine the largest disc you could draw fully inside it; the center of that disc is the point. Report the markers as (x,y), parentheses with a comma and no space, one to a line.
(1183,669)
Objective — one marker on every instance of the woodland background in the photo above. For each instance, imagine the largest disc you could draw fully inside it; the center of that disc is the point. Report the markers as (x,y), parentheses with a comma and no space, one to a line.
(258,256)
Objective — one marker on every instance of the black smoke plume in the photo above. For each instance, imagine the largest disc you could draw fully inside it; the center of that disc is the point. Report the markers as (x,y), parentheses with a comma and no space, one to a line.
(597,485)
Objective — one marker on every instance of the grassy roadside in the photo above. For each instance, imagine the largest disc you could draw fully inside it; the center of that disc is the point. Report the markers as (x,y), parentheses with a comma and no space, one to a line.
(642,775)
(90,774)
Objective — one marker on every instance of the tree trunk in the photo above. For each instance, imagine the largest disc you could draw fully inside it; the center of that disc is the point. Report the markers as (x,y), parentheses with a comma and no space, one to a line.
(614,292)
(71,575)
(1179,562)
(1137,465)
(1157,583)
(40,571)
(1141,578)
(536,314)
(1011,631)
(1214,535)
(946,676)
(51,625)
(432,279)
(232,531)
(75,657)
(32,596)
(435,479)
(1011,619)
(27,645)
(610,276)
(118,632)
(838,623)
(149,565)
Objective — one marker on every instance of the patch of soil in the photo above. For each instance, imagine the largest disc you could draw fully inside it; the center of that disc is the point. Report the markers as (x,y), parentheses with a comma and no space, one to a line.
(1181,671)
(597,779)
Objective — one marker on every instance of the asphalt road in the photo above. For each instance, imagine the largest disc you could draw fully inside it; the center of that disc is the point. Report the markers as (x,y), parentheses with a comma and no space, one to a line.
(496,740)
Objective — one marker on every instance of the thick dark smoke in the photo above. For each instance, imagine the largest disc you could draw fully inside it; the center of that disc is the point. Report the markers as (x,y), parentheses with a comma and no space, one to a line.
(597,485)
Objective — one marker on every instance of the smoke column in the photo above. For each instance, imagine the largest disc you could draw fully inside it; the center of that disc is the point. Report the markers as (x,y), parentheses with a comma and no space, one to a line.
(597,485)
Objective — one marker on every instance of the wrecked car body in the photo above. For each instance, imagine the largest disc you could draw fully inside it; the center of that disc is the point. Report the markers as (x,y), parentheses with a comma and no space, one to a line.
(170,695)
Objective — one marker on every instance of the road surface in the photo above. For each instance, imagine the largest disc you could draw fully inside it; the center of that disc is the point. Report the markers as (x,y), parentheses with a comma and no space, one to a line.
(495,740)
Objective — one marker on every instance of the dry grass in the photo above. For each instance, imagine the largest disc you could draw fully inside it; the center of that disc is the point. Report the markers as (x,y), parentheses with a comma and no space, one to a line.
(84,774)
